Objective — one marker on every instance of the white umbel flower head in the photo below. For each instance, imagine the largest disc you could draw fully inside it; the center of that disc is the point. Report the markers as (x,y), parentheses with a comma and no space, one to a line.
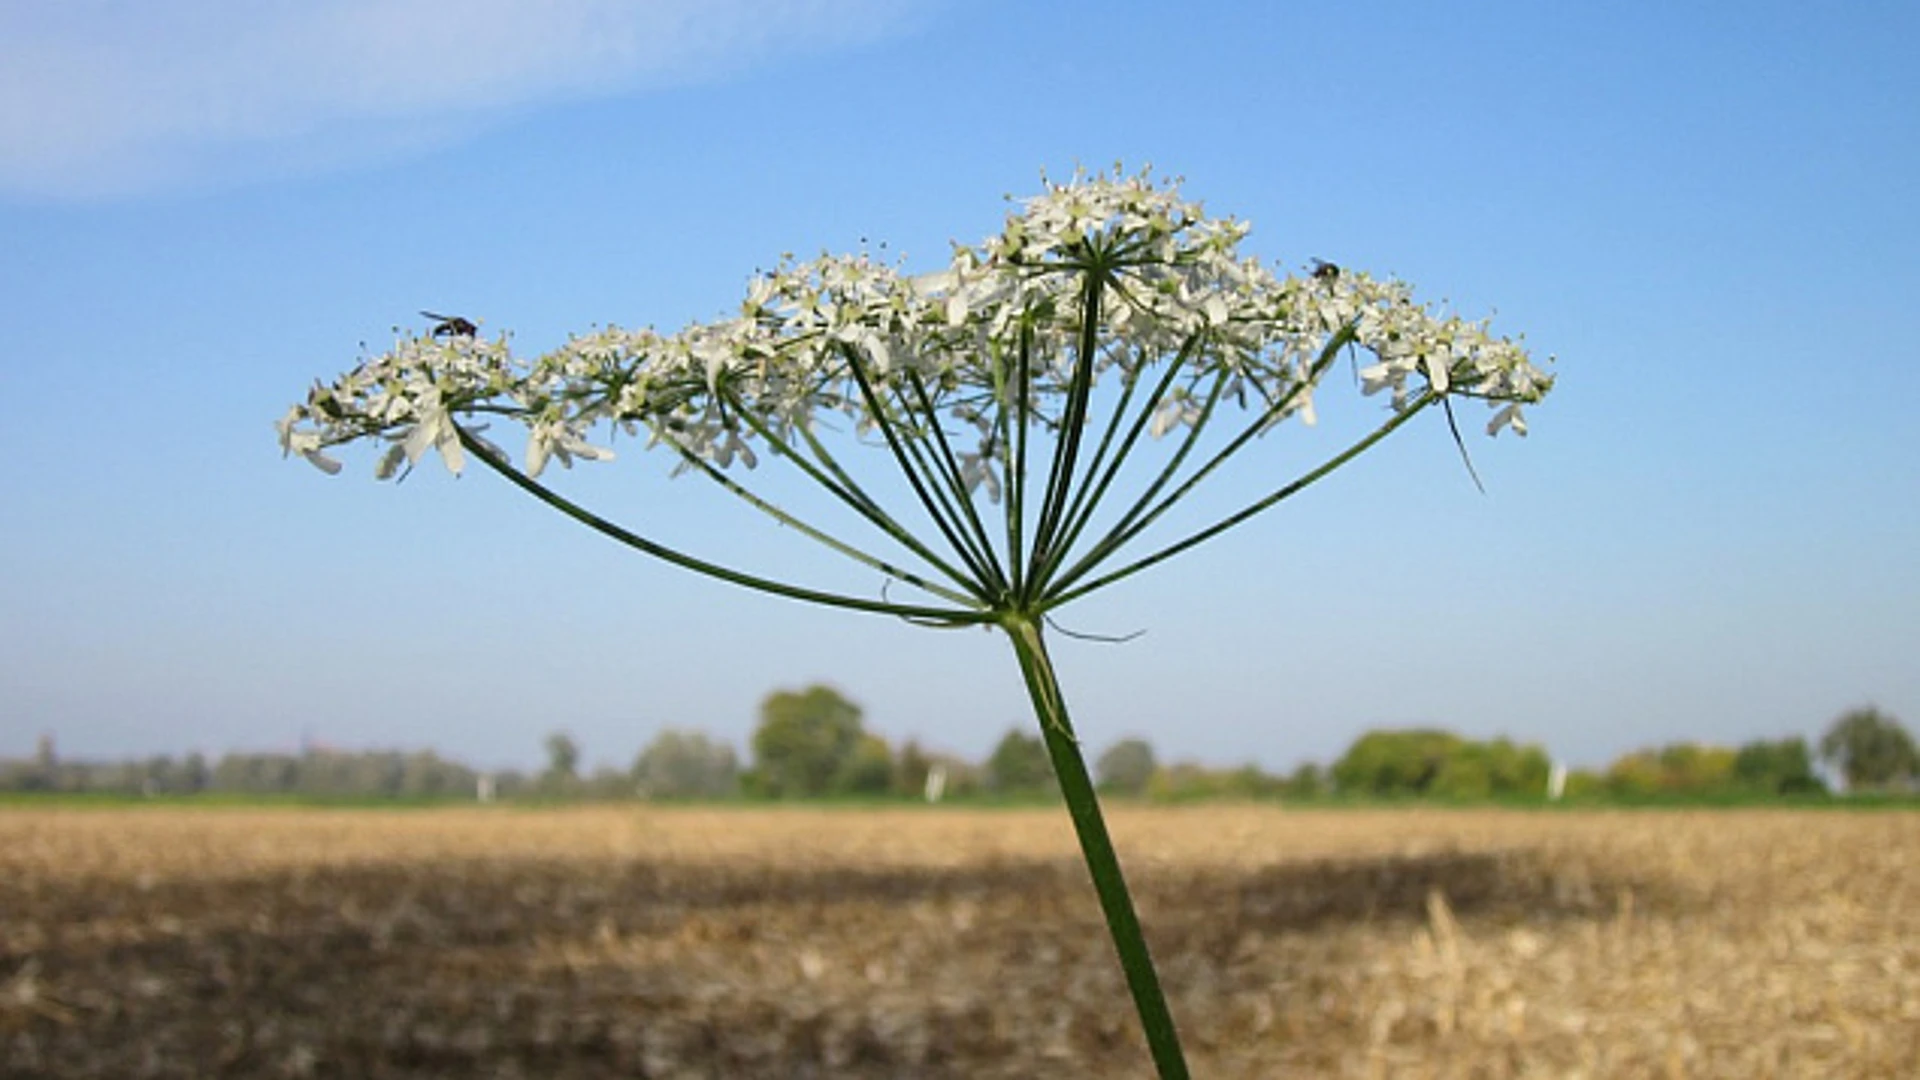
(842,336)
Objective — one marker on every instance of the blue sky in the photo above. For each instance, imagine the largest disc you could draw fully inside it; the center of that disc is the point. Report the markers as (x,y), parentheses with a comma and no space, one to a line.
(1711,532)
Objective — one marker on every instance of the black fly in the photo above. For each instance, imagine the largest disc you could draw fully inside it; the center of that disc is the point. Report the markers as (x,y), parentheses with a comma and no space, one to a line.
(1324,270)
(451,325)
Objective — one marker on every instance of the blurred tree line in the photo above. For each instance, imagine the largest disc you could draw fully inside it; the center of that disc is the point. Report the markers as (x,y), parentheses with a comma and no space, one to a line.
(813,743)
(386,774)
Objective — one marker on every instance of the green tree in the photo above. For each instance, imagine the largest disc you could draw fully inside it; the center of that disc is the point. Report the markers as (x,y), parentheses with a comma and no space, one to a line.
(1403,762)
(1307,781)
(1185,781)
(1182,781)
(378,774)
(40,774)
(1682,768)
(686,765)
(1515,769)
(607,782)
(194,773)
(1782,767)
(1636,773)
(1870,749)
(563,763)
(1126,767)
(425,774)
(804,741)
(1019,764)
(868,770)
(1466,772)
(1585,784)
(511,784)
(563,754)
(256,774)
(1250,781)
(1696,768)
(910,768)
(1427,761)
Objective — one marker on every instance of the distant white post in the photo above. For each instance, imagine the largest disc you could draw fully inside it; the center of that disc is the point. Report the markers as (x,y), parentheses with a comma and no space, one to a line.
(936,782)
(1556,782)
(483,787)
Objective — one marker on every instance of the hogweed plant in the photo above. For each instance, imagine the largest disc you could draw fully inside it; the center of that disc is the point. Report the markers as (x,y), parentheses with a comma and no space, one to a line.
(1009,393)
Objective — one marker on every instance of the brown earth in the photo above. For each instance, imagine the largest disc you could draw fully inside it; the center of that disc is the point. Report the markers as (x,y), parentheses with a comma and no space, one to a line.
(877,944)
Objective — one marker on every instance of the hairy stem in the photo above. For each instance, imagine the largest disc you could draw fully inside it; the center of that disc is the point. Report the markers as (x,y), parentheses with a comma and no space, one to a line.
(1096,847)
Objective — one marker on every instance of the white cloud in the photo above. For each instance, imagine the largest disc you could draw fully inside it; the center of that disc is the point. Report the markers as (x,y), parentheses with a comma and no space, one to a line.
(104,97)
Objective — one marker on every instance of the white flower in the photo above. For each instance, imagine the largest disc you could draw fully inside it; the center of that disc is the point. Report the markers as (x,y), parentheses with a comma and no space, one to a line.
(557,440)
(434,430)
(306,443)
(1508,416)
(808,333)
(1178,410)
(981,471)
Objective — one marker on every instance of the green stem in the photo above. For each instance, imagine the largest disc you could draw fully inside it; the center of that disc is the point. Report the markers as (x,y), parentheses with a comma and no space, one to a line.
(1066,451)
(487,457)
(842,487)
(949,493)
(1141,421)
(706,468)
(1015,430)
(1141,514)
(950,472)
(897,441)
(1096,847)
(1413,408)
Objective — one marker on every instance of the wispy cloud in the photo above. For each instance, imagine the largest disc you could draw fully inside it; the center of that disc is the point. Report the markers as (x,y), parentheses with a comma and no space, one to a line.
(104,97)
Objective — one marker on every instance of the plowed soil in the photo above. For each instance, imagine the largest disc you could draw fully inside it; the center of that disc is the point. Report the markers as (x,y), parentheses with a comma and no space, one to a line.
(669,943)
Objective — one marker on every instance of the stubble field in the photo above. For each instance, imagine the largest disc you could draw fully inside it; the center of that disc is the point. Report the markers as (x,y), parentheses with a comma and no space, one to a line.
(845,943)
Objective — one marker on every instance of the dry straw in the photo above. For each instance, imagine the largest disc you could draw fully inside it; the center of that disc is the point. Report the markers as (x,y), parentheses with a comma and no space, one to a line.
(744,945)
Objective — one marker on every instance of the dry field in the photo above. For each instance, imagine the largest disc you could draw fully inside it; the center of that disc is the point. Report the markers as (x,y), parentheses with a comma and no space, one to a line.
(801,943)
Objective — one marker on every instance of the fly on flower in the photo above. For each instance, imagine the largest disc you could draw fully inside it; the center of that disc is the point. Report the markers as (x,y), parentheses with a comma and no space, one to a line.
(451,326)
(1324,270)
